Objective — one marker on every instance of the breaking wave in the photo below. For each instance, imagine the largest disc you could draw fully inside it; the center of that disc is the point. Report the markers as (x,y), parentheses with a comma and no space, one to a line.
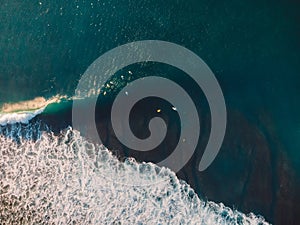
(23,112)
(65,179)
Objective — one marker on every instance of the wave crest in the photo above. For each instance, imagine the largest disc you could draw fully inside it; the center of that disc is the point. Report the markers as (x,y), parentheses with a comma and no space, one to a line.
(23,112)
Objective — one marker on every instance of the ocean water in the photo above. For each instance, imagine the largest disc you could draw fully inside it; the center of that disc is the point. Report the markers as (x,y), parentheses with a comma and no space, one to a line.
(67,180)
(52,174)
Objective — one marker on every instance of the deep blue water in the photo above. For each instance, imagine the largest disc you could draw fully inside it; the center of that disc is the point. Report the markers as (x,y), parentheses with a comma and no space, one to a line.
(252,47)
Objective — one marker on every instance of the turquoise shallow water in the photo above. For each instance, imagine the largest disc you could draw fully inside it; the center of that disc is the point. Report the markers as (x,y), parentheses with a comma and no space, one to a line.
(252,48)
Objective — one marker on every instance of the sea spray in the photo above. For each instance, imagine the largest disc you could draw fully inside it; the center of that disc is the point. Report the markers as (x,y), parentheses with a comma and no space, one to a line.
(24,111)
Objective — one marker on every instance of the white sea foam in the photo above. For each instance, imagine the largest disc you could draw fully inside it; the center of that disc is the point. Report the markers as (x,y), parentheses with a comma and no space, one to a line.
(48,179)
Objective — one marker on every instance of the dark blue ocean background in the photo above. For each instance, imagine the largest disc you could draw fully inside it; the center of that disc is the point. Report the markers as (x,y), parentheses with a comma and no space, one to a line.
(252,47)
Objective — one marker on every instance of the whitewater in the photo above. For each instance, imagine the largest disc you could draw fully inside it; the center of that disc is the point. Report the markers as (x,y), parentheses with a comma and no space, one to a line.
(24,111)
(65,179)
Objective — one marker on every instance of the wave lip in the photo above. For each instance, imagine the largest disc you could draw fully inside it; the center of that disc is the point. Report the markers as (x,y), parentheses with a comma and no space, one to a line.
(24,111)
(19,117)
